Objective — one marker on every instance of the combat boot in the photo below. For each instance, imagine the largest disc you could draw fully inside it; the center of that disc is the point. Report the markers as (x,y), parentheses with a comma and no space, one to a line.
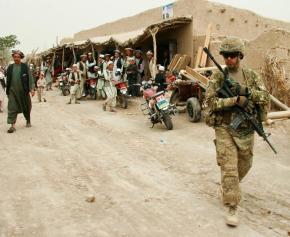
(232,217)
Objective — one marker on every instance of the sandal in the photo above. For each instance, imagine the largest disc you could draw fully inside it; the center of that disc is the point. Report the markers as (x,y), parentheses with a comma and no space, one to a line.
(28,125)
(11,130)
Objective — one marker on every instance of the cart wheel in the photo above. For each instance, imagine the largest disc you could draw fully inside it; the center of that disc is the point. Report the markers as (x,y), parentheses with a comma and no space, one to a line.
(193,110)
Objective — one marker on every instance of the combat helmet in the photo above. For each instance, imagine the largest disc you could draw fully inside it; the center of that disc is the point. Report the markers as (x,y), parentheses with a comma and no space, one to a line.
(232,45)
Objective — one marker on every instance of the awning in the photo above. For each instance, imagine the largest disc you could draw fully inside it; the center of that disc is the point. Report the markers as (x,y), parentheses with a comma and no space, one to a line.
(117,38)
(133,37)
(127,38)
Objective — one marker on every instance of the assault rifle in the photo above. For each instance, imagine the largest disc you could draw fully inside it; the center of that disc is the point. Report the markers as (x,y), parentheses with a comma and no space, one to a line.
(242,114)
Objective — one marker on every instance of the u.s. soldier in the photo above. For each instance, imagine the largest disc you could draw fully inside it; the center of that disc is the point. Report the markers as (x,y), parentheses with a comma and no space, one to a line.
(234,148)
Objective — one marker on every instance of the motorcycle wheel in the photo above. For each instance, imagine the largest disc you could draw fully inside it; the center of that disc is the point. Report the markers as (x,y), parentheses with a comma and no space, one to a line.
(123,101)
(65,92)
(167,121)
(93,94)
(193,110)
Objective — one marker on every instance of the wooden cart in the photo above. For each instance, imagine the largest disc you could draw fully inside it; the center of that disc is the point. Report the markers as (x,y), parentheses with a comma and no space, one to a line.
(189,92)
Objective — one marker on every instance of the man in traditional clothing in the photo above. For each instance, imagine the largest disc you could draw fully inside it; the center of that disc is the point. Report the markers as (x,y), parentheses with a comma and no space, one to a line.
(107,59)
(118,66)
(48,71)
(128,55)
(102,66)
(82,67)
(36,75)
(160,79)
(2,88)
(152,64)
(91,63)
(164,61)
(100,83)
(110,89)
(74,79)
(41,84)
(132,77)
(20,84)
(140,64)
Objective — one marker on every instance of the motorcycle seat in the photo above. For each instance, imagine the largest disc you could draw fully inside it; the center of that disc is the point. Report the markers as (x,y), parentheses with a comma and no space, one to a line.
(157,94)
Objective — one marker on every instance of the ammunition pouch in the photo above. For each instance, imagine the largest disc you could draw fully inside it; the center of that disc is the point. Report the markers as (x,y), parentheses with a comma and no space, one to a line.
(213,119)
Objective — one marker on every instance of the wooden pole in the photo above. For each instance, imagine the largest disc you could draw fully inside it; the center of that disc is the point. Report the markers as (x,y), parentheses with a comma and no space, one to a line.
(153,32)
(53,58)
(62,59)
(206,44)
(279,103)
(93,50)
(202,69)
(74,54)
(198,57)
(52,63)
(279,115)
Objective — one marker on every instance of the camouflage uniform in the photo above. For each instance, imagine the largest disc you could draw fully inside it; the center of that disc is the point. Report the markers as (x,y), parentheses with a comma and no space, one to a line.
(234,149)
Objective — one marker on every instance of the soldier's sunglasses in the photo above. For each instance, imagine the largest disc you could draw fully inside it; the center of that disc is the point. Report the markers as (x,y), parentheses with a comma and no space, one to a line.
(231,55)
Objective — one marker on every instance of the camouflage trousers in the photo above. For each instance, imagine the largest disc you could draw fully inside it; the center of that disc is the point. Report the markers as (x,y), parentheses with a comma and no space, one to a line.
(234,156)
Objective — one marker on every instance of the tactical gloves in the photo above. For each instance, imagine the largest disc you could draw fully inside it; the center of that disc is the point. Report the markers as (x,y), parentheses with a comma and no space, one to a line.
(242,101)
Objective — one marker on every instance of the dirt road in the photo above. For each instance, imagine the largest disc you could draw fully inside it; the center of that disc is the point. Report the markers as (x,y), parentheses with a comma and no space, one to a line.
(146,182)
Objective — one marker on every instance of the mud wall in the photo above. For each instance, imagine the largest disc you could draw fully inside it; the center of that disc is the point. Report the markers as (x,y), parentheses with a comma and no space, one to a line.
(275,42)
(226,21)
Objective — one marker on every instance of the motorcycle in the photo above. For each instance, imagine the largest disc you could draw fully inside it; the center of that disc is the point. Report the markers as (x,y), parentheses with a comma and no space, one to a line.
(156,106)
(122,96)
(93,88)
(64,85)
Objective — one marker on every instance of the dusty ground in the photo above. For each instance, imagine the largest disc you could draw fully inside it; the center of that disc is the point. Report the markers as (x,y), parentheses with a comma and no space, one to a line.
(147,182)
